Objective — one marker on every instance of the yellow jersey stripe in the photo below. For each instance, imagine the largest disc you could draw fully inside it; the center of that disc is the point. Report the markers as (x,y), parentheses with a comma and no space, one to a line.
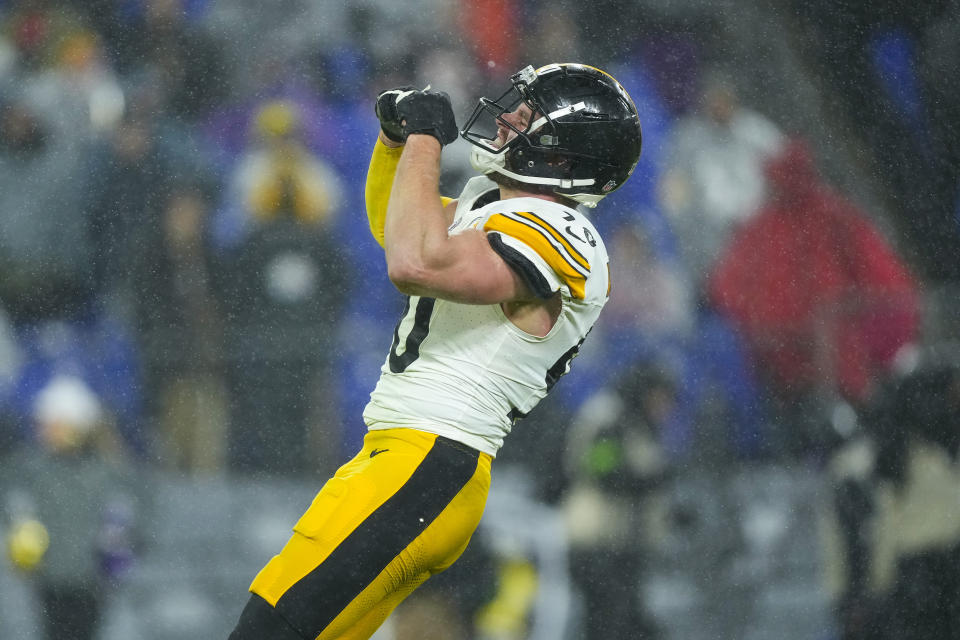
(559,237)
(559,247)
(537,239)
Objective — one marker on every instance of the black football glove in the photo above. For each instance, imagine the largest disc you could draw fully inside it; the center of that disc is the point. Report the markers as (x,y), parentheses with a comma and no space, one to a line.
(386,110)
(405,110)
(427,112)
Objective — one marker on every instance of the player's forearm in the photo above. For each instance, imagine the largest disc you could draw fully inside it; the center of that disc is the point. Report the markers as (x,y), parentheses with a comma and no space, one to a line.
(415,232)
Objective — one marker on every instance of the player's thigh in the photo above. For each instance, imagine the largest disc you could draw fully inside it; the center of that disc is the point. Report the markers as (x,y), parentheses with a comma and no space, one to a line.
(431,551)
(384,522)
(341,506)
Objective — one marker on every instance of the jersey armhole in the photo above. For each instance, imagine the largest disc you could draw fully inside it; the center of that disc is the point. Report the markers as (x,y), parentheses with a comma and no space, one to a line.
(522,266)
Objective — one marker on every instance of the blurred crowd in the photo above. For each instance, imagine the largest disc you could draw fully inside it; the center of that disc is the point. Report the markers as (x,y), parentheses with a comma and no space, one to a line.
(184,257)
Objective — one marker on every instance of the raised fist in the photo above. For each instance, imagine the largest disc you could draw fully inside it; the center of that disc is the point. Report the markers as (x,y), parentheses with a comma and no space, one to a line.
(386,110)
(427,112)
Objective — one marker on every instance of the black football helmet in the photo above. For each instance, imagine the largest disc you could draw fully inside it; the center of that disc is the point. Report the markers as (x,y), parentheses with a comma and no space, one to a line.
(583,139)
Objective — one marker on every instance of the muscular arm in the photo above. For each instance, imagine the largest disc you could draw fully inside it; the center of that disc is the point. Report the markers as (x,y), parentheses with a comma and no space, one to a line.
(422,259)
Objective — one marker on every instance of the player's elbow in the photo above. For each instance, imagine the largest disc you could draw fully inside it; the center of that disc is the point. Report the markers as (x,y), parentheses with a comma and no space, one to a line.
(407,275)
(416,267)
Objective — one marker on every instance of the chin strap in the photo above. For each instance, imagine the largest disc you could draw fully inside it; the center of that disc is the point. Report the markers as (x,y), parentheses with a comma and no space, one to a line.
(487,162)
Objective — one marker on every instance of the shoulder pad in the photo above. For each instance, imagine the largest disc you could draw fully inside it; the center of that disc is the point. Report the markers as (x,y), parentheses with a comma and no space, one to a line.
(556,235)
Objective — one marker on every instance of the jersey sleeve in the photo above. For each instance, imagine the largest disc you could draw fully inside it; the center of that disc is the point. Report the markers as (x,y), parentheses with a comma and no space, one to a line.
(380,175)
(539,252)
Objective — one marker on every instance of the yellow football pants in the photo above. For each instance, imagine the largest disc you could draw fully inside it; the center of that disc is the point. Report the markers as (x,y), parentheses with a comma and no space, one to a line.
(401,510)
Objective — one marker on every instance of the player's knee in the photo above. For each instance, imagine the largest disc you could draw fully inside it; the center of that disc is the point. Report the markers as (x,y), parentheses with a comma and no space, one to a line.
(260,621)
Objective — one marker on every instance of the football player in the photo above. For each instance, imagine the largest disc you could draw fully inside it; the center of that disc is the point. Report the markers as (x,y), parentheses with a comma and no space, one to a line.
(504,284)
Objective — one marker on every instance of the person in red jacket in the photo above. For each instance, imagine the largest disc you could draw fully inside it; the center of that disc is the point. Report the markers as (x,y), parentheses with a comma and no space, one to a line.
(822,299)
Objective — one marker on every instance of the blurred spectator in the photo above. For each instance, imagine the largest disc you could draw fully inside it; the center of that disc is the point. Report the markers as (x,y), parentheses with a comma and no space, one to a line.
(276,176)
(881,66)
(130,178)
(79,90)
(147,218)
(712,178)
(180,329)
(554,33)
(534,437)
(447,606)
(59,97)
(282,284)
(616,465)
(489,30)
(893,542)
(822,300)
(161,43)
(720,413)
(650,313)
(651,302)
(71,507)
(44,250)
(651,316)
(428,616)
(57,63)
(606,41)
(507,615)
(917,464)
(95,348)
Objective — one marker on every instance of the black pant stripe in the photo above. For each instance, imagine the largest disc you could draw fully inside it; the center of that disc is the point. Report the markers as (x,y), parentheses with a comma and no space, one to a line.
(260,621)
(313,602)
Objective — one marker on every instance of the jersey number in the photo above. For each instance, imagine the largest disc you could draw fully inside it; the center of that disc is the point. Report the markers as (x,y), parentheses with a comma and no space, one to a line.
(562,365)
(587,236)
(554,373)
(411,344)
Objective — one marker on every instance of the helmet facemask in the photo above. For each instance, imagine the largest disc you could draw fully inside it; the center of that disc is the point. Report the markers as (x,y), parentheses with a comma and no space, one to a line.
(484,133)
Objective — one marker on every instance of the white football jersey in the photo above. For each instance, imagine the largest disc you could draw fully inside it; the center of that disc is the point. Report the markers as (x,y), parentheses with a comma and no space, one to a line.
(467,372)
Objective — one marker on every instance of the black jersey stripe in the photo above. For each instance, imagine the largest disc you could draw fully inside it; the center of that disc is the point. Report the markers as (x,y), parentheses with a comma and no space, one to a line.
(534,237)
(322,594)
(522,266)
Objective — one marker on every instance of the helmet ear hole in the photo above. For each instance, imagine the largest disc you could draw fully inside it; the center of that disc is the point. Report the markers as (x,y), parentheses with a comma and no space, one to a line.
(563,165)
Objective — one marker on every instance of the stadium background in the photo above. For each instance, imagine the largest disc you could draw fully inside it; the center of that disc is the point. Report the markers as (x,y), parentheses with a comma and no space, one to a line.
(231,351)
